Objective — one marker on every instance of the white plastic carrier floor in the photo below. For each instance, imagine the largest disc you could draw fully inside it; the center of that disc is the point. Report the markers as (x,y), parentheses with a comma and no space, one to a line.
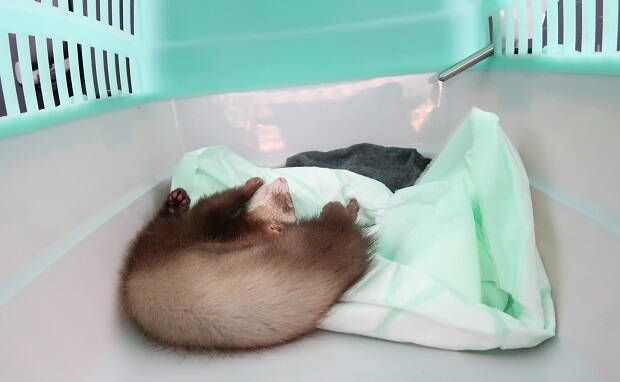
(72,196)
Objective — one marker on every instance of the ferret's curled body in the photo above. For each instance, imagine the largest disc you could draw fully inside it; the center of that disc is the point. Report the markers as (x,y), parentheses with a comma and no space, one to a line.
(220,277)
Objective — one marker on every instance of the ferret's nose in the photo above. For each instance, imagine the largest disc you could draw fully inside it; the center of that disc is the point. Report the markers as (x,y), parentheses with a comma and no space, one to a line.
(282,180)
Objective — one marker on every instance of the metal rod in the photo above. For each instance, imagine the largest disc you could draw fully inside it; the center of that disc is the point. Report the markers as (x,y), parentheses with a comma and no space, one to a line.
(466,63)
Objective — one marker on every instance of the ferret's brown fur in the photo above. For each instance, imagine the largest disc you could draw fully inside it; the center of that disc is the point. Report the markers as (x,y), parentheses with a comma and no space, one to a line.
(220,276)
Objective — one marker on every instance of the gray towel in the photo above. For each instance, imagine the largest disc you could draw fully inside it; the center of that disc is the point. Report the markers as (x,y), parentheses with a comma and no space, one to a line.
(393,166)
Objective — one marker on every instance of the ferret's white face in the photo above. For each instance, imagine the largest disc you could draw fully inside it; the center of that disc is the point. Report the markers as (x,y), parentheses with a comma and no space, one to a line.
(273,203)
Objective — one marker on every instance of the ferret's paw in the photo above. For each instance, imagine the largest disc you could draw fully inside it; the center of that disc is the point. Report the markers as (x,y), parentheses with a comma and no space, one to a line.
(178,201)
(253,184)
(353,208)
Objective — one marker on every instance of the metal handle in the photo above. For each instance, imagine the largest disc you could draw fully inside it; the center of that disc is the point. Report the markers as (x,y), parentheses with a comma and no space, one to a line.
(466,63)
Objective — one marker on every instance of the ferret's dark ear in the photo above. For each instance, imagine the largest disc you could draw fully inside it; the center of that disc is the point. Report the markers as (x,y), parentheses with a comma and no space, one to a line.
(276,227)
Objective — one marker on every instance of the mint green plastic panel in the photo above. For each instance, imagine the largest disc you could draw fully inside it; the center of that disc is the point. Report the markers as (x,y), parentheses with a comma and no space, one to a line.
(138,51)
(43,81)
(213,46)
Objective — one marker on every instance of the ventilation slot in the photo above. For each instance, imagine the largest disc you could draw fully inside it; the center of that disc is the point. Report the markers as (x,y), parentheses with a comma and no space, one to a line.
(3,111)
(565,27)
(24,70)
(128,68)
(110,73)
(131,17)
(99,73)
(9,104)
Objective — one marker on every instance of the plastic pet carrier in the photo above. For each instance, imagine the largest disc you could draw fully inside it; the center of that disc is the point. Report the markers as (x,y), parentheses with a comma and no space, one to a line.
(100,100)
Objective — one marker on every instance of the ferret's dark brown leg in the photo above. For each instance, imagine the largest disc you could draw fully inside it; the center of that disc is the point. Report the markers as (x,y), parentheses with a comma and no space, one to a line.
(336,212)
(174,207)
(163,234)
(228,202)
(212,214)
(333,240)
